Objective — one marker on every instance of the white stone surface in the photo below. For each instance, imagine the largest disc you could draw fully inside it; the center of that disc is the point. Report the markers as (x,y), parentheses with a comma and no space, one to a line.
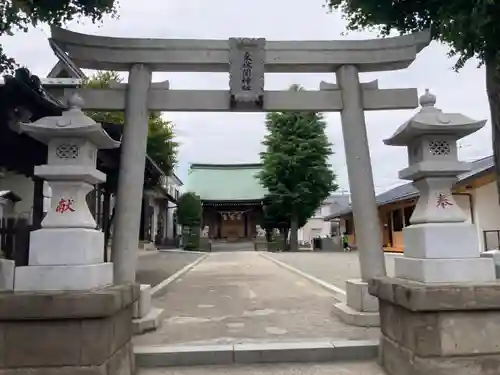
(7,270)
(143,305)
(436,203)
(358,298)
(50,278)
(445,270)
(441,240)
(66,246)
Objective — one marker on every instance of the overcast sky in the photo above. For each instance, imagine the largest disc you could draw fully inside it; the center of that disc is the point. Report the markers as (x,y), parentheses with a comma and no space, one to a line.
(235,138)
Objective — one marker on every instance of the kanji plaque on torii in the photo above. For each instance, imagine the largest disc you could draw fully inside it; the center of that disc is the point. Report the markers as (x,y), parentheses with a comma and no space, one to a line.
(246,72)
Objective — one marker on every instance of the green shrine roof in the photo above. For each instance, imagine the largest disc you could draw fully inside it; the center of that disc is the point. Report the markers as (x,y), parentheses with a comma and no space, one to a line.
(226,182)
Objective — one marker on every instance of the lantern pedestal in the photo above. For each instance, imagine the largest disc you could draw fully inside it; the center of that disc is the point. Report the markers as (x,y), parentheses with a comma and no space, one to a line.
(443,252)
(440,328)
(68,332)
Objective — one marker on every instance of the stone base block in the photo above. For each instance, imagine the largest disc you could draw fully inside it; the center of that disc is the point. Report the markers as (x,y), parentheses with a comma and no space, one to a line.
(66,246)
(7,268)
(495,255)
(149,322)
(445,329)
(358,298)
(143,304)
(397,360)
(205,244)
(441,240)
(79,277)
(67,333)
(260,244)
(331,244)
(445,270)
(355,317)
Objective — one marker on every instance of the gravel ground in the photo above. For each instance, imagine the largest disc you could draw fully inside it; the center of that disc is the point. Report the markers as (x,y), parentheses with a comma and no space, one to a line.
(153,269)
(333,268)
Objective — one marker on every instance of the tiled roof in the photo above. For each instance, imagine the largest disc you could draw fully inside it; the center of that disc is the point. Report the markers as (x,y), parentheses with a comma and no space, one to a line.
(226,182)
(407,191)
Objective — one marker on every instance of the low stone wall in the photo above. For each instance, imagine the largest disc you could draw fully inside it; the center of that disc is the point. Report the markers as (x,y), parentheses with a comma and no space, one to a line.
(445,329)
(68,333)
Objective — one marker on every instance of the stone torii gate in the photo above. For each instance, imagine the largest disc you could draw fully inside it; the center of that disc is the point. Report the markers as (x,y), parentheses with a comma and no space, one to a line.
(247,60)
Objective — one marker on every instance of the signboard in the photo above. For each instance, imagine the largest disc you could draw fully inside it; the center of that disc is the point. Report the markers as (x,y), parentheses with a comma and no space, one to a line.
(246,72)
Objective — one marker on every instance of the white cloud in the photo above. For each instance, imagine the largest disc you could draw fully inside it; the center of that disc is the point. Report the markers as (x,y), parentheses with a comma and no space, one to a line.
(231,138)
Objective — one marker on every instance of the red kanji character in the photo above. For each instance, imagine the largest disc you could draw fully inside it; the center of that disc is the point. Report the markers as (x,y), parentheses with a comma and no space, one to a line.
(65,206)
(442,201)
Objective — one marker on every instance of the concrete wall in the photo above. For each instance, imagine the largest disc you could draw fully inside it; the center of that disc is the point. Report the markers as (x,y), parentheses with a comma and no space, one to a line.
(486,211)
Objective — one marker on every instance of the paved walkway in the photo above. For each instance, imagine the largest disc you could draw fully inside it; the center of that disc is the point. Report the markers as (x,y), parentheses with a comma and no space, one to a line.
(333,268)
(241,296)
(154,267)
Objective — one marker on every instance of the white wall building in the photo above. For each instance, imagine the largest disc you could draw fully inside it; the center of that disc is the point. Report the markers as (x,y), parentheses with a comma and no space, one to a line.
(316,226)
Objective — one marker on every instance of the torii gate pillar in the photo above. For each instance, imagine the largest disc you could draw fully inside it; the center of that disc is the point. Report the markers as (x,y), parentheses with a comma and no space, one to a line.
(131,176)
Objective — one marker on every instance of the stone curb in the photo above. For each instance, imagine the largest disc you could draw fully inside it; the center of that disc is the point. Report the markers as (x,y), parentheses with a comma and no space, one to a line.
(165,283)
(181,251)
(255,352)
(338,294)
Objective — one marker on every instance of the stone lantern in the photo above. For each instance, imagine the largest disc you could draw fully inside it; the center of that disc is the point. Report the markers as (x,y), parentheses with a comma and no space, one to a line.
(440,246)
(67,253)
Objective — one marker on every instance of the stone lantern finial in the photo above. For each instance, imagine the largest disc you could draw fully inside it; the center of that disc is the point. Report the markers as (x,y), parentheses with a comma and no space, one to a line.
(75,101)
(428,99)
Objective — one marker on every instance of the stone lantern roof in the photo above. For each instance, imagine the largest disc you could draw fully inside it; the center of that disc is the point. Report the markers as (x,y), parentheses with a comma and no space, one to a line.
(73,123)
(432,121)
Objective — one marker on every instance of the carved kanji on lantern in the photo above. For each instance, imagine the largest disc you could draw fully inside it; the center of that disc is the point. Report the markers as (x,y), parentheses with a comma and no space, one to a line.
(443,201)
(65,205)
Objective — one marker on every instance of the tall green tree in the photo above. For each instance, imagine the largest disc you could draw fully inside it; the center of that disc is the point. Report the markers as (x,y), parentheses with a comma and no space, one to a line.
(161,145)
(189,215)
(295,168)
(469,28)
(19,15)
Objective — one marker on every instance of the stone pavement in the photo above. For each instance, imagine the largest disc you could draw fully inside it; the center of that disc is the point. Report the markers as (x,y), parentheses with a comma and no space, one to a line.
(340,368)
(240,296)
(333,268)
(154,268)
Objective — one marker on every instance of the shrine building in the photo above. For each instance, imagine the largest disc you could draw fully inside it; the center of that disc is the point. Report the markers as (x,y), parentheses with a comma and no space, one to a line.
(232,199)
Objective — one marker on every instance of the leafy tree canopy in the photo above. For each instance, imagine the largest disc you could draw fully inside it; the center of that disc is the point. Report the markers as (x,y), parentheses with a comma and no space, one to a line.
(21,14)
(161,146)
(470,28)
(189,210)
(295,166)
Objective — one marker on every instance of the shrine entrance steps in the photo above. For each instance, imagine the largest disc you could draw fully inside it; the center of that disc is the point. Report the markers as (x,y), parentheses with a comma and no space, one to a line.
(232,246)
(340,368)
